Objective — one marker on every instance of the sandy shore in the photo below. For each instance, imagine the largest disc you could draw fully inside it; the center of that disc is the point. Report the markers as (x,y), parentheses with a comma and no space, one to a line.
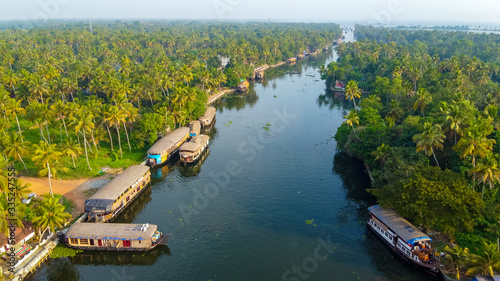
(71,189)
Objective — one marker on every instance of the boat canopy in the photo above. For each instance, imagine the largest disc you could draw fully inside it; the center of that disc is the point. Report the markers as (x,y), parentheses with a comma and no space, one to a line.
(168,142)
(189,147)
(103,199)
(209,114)
(399,225)
(111,231)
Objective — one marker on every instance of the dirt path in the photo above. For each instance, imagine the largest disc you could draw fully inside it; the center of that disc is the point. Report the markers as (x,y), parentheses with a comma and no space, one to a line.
(71,189)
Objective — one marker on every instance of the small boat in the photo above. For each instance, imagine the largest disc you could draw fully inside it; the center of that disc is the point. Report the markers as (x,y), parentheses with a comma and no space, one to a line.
(243,86)
(339,85)
(291,60)
(113,236)
(486,278)
(207,119)
(194,128)
(190,151)
(403,238)
(111,199)
(167,146)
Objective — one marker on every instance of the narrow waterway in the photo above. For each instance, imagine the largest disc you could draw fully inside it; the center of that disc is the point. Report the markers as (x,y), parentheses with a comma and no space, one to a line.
(269,195)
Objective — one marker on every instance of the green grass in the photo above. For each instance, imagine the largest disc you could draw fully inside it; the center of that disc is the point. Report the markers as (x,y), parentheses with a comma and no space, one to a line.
(105,157)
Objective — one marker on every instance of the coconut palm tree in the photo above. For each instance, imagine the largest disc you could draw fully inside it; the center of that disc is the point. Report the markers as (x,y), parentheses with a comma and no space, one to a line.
(474,143)
(351,119)
(352,92)
(57,110)
(15,147)
(114,117)
(457,256)
(13,108)
(21,189)
(83,124)
(486,170)
(71,148)
(431,137)
(50,214)
(424,99)
(485,262)
(45,154)
(382,153)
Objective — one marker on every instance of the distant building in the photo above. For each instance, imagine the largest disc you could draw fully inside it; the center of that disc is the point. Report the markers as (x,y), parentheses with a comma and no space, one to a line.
(21,235)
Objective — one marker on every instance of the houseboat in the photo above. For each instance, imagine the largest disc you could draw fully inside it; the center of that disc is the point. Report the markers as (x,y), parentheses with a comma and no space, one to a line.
(112,198)
(243,86)
(403,238)
(190,151)
(291,60)
(113,237)
(207,119)
(194,128)
(167,146)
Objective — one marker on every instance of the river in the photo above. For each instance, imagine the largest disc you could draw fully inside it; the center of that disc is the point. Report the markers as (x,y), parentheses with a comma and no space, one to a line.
(269,197)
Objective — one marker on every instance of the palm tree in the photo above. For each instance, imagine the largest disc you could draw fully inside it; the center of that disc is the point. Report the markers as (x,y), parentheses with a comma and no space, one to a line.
(46,153)
(71,148)
(114,117)
(431,137)
(50,214)
(474,143)
(13,108)
(57,109)
(486,170)
(83,123)
(382,153)
(352,92)
(424,99)
(457,256)
(351,119)
(37,85)
(15,147)
(485,262)
(21,190)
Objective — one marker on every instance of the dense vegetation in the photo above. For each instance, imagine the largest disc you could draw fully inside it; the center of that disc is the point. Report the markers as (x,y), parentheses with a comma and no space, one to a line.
(432,100)
(73,101)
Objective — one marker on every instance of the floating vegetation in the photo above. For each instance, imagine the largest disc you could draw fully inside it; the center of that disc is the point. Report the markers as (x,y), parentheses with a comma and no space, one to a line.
(228,123)
(61,251)
(310,221)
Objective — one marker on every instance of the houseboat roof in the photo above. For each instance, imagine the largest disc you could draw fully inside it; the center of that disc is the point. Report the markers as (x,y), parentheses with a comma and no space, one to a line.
(111,231)
(210,113)
(168,141)
(399,225)
(189,146)
(108,193)
(195,143)
(244,84)
(194,126)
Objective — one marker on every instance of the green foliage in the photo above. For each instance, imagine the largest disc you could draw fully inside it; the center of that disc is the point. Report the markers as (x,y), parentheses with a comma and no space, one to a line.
(61,251)
(474,242)
(434,199)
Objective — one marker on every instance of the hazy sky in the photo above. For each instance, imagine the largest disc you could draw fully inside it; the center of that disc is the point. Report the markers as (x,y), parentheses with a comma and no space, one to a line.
(389,12)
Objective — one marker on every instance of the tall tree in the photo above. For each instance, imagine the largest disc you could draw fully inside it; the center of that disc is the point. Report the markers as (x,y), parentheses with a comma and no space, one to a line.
(431,137)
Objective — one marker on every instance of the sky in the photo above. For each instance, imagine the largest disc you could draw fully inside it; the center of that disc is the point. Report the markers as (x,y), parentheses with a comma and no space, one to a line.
(385,12)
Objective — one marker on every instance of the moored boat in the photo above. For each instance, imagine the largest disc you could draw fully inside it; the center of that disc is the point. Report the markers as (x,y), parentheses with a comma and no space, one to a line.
(243,86)
(207,119)
(291,60)
(194,128)
(403,238)
(112,198)
(114,236)
(167,146)
(190,151)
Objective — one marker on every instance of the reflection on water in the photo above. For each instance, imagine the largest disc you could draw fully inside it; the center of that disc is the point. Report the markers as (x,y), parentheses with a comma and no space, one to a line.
(130,213)
(191,170)
(120,258)
(237,100)
(334,100)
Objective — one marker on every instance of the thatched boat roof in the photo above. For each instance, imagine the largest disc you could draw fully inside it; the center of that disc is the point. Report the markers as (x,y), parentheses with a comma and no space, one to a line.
(200,139)
(194,144)
(209,114)
(244,84)
(194,126)
(399,225)
(111,231)
(103,199)
(169,141)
